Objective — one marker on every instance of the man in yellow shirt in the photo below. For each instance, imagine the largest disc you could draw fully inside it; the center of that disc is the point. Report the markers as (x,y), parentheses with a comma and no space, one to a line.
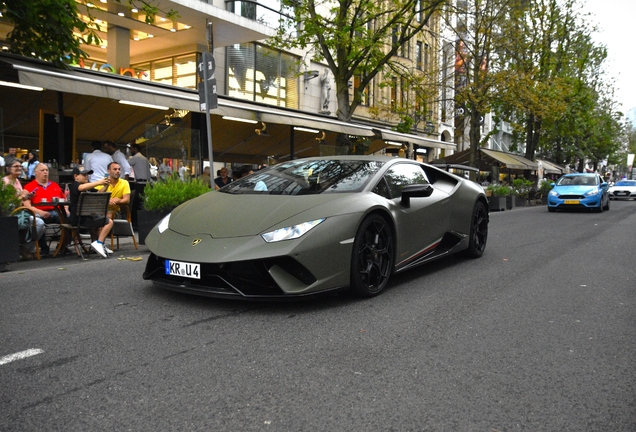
(118,187)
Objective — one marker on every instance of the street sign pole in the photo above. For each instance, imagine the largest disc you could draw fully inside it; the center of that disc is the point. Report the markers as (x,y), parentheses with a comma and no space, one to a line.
(208,100)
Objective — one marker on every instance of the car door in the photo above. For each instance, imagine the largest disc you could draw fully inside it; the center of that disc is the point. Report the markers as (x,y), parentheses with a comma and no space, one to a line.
(420,226)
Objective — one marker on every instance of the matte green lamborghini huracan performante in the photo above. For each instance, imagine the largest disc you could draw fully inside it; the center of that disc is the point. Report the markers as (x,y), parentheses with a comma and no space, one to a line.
(311,226)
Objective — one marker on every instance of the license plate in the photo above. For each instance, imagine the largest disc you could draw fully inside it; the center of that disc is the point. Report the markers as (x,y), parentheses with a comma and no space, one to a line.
(184,269)
(621,193)
(571,201)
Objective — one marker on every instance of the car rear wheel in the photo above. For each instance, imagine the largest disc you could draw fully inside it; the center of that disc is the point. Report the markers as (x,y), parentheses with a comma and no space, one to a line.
(478,231)
(372,259)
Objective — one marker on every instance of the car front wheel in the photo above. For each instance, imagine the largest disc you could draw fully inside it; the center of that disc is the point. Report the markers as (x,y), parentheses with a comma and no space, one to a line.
(478,231)
(372,259)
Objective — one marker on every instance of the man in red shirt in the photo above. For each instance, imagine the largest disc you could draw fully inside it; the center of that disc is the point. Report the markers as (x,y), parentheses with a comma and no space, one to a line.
(42,189)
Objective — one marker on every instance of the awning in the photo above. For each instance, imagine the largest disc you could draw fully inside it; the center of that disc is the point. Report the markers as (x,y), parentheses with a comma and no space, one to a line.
(390,135)
(550,167)
(511,160)
(92,83)
(487,158)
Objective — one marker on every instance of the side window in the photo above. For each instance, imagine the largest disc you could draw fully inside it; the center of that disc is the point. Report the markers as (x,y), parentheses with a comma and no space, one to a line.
(382,189)
(401,175)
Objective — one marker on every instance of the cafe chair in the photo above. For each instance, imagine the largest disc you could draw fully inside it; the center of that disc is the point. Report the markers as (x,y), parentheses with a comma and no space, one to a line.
(91,206)
(122,227)
(27,237)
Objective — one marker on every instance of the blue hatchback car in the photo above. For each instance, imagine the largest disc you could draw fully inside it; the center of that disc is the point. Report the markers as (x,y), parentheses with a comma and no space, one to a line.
(579,191)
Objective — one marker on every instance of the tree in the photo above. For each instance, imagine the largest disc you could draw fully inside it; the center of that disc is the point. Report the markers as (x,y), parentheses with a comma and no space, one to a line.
(477,64)
(48,29)
(355,38)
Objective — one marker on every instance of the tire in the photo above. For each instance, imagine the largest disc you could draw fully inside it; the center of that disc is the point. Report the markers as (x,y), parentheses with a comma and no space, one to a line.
(551,209)
(607,206)
(478,231)
(372,257)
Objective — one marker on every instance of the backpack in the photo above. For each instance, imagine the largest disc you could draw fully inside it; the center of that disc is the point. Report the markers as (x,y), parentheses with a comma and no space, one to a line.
(25,226)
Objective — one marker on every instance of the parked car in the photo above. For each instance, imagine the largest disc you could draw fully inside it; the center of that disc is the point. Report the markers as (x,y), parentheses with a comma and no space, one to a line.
(623,189)
(310,226)
(579,190)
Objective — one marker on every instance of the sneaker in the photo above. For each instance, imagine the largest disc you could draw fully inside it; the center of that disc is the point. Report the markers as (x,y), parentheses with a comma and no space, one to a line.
(99,248)
(108,251)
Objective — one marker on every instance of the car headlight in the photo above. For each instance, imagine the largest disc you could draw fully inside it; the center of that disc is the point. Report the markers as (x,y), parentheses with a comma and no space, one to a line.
(592,192)
(291,232)
(163,225)
(553,193)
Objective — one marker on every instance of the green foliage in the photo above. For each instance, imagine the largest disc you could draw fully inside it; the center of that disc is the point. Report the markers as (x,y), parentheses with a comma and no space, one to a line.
(168,194)
(351,38)
(499,190)
(9,200)
(44,29)
(545,187)
(521,187)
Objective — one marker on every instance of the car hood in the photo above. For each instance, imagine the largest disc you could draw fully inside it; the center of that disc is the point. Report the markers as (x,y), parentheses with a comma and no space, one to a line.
(223,215)
(574,190)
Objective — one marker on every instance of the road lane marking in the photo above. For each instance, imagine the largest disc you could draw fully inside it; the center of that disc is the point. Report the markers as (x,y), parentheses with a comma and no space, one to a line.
(20,355)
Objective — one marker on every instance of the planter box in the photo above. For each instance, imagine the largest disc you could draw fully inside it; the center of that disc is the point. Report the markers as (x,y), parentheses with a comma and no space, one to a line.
(10,250)
(497,203)
(520,201)
(146,221)
(510,202)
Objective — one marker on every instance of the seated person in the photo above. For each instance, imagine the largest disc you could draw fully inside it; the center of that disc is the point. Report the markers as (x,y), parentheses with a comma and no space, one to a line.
(119,189)
(41,190)
(80,184)
(13,178)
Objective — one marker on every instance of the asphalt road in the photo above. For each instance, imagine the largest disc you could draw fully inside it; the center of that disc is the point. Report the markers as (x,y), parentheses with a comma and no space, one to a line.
(537,335)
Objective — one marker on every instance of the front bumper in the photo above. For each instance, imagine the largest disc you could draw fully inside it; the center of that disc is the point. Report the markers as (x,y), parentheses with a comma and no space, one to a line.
(574,201)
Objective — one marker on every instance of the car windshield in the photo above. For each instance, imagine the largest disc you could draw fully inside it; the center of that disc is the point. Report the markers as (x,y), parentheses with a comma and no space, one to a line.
(307,176)
(626,183)
(577,180)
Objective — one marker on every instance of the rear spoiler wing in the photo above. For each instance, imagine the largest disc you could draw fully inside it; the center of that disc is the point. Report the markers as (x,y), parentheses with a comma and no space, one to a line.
(448,167)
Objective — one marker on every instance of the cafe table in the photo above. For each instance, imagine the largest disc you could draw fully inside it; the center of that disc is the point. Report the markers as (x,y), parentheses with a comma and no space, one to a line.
(60,207)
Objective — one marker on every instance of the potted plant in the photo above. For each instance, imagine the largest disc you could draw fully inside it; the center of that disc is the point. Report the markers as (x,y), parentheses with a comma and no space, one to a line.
(521,189)
(161,197)
(10,250)
(497,198)
(544,190)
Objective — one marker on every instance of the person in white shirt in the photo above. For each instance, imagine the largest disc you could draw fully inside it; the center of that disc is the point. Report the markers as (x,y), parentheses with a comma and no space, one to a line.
(97,161)
(111,148)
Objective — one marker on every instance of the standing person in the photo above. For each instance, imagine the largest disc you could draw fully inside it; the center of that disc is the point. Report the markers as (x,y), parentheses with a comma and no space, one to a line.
(141,167)
(32,163)
(13,179)
(153,168)
(25,166)
(164,170)
(119,157)
(81,184)
(222,179)
(42,190)
(10,157)
(118,187)
(97,161)
(139,164)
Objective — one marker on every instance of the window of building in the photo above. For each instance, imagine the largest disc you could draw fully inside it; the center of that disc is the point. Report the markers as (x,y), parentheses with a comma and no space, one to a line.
(263,11)
(261,74)
(418,55)
(178,71)
(427,52)
(364,96)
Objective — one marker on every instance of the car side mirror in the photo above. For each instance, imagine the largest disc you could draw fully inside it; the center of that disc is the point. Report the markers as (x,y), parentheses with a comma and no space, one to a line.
(552,184)
(604,184)
(415,191)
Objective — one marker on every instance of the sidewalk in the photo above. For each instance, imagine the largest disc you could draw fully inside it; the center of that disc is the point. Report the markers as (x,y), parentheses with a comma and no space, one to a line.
(126,250)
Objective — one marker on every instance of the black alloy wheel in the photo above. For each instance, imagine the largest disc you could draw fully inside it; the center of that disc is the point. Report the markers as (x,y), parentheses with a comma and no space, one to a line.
(478,231)
(373,255)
